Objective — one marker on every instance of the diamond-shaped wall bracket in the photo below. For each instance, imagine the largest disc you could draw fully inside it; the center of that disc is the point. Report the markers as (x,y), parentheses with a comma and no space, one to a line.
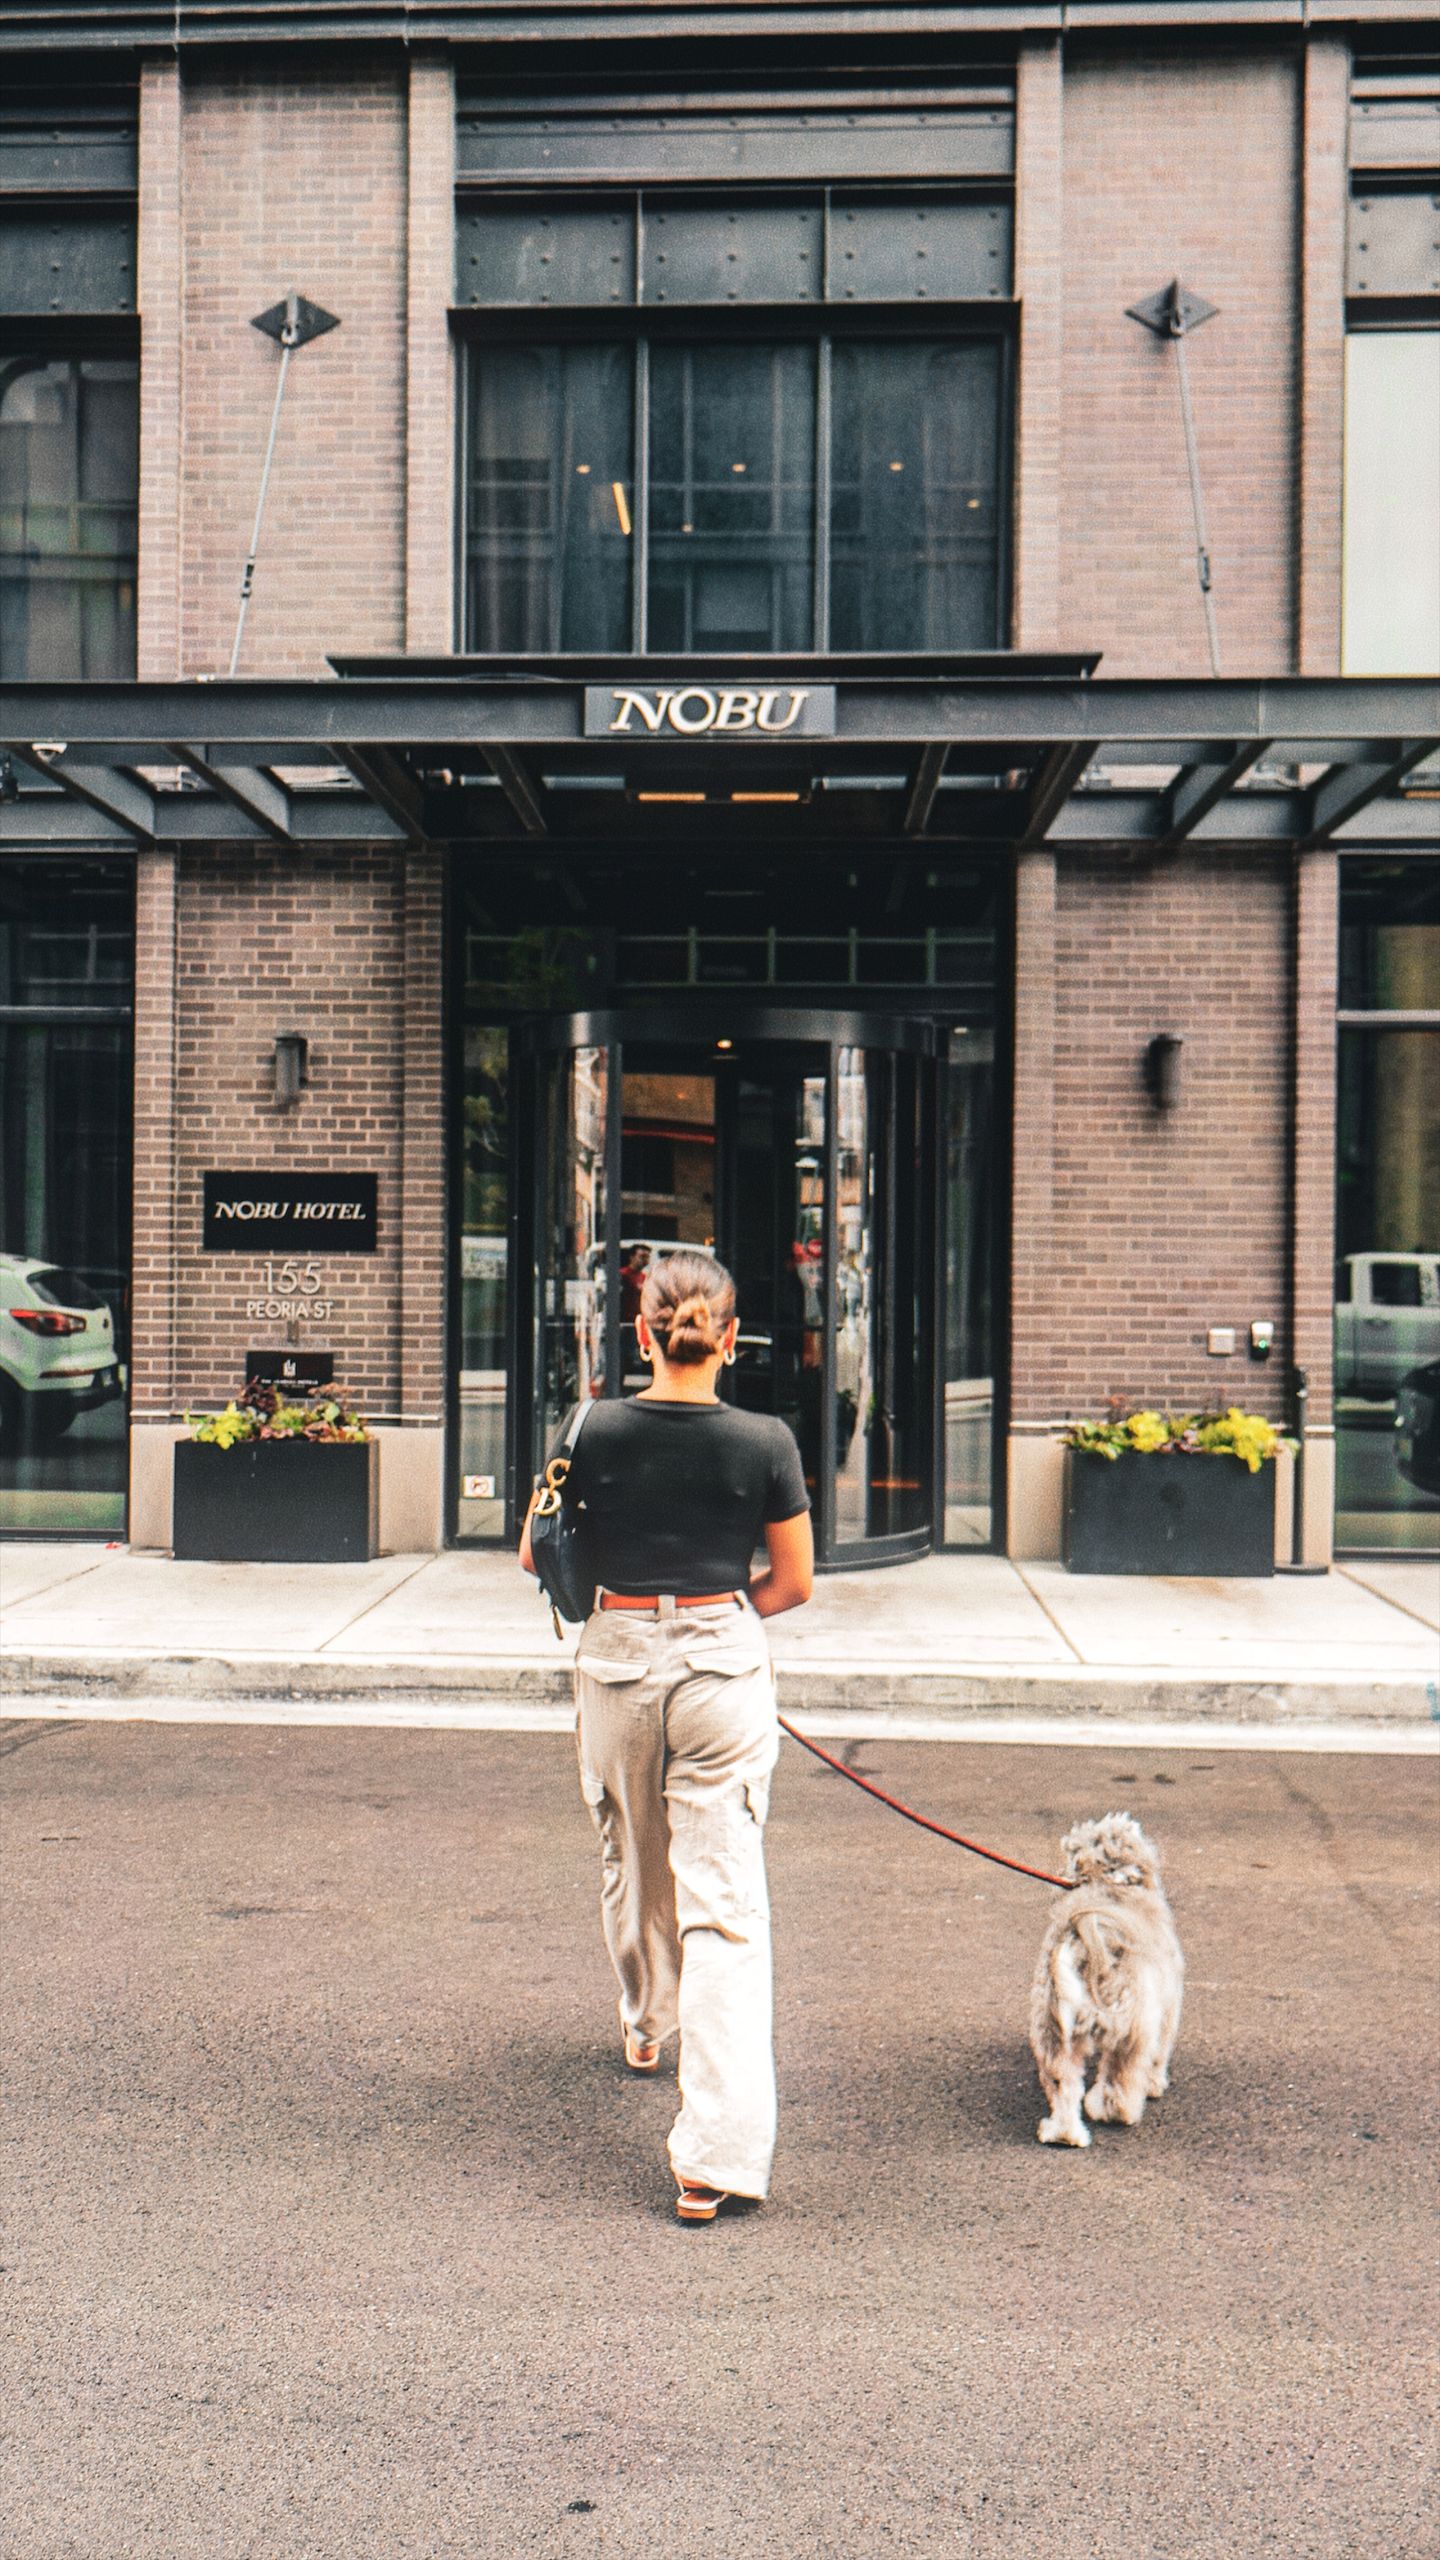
(1172,312)
(294,322)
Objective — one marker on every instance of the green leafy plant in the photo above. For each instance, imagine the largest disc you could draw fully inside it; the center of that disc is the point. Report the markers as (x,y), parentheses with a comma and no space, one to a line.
(261,1414)
(1231,1434)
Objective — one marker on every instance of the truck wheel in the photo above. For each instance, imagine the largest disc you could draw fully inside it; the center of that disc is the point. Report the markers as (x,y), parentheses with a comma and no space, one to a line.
(45,1419)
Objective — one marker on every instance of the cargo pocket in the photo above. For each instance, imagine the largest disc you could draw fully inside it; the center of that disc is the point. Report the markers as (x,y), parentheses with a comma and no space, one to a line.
(609,1653)
(727,1653)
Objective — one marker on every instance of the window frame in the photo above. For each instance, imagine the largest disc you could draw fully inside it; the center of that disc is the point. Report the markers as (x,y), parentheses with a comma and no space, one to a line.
(822,324)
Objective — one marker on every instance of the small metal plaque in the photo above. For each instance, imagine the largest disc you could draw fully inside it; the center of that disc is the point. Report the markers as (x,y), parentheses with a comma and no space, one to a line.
(277,1367)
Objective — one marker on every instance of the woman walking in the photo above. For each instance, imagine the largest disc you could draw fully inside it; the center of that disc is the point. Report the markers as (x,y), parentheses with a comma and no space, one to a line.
(676,1727)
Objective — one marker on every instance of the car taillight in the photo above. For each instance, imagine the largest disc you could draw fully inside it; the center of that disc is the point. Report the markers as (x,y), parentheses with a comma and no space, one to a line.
(41,1320)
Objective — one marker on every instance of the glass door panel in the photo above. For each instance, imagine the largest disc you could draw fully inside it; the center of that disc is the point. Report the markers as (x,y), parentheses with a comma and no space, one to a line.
(882,1487)
(854,1310)
(773,1236)
(570,1261)
(667,1181)
(969,1383)
(1387,1313)
(64,1329)
(484,1293)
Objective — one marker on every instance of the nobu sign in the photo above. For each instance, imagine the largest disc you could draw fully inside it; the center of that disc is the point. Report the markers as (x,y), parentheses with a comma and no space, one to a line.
(290,1212)
(710,711)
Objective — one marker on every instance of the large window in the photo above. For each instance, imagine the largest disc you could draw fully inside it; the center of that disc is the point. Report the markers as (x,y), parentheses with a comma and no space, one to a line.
(697,494)
(1392,502)
(68,494)
(551,462)
(66,967)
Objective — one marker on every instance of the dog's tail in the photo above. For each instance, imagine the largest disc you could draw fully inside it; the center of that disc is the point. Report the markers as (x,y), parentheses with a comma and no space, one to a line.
(1102,1938)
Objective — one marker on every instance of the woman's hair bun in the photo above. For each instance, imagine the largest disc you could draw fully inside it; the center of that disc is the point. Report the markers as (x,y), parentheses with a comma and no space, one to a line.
(687,1301)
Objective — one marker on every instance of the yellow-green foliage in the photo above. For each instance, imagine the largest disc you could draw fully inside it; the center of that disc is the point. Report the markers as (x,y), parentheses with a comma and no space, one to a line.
(262,1416)
(1244,1435)
(1146,1431)
(1232,1434)
(237,1422)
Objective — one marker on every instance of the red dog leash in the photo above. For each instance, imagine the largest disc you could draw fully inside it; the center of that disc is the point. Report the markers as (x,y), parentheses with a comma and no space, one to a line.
(960,1842)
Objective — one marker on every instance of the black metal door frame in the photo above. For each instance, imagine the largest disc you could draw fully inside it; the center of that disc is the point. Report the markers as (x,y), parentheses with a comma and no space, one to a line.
(820,1035)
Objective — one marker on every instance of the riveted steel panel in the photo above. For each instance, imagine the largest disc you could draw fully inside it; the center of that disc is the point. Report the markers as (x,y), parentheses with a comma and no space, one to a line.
(767,144)
(71,257)
(74,147)
(1393,242)
(918,249)
(765,249)
(1395,133)
(530,253)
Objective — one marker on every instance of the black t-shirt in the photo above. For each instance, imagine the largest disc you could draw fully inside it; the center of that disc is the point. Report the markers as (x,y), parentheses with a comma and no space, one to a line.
(676,1495)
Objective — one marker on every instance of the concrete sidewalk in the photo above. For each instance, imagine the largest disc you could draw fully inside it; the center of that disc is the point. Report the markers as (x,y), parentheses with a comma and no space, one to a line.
(934,1643)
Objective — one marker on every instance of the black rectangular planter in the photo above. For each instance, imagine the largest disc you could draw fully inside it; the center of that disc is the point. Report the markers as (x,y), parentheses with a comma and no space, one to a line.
(1182,1511)
(276,1501)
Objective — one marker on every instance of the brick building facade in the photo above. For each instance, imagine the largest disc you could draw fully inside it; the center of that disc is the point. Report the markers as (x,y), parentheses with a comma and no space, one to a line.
(1122,1242)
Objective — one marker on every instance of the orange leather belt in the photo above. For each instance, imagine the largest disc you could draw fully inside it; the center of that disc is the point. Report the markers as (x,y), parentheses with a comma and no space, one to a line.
(683,1600)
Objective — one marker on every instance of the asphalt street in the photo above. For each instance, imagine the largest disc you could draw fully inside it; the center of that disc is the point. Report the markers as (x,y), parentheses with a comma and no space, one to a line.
(337,2230)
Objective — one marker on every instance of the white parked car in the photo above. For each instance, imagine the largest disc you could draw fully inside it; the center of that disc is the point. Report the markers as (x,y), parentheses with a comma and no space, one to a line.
(1387,1321)
(57,1351)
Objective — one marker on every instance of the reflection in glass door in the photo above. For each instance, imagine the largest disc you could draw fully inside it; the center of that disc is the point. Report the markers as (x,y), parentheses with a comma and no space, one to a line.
(570,1347)
(67,950)
(772,1227)
(882,1397)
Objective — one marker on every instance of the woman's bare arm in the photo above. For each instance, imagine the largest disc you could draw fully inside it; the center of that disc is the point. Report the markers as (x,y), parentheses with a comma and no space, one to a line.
(791,1578)
(527,1553)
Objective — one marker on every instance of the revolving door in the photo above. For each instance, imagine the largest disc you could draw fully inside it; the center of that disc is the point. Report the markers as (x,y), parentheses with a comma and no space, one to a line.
(801,1149)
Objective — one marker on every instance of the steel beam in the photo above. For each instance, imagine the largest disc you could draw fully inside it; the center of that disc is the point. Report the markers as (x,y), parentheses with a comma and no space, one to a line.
(1342,793)
(518,788)
(256,722)
(46,821)
(117,796)
(1058,773)
(923,789)
(246,788)
(1194,793)
(391,787)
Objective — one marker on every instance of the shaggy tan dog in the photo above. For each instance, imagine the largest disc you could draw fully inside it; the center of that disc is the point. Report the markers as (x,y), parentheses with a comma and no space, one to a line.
(1108,1983)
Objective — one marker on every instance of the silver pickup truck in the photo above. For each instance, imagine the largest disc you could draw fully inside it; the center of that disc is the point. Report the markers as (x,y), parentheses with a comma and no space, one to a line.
(1387,1321)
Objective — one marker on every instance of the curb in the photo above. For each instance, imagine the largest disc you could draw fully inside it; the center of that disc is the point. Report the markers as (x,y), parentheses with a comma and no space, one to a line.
(1148,1695)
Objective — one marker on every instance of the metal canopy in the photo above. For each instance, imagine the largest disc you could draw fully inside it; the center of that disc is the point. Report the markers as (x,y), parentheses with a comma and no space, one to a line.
(982,752)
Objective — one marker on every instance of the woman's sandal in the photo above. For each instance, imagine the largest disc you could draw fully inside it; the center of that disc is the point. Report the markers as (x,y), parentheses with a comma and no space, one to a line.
(696,2203)
(639,2055)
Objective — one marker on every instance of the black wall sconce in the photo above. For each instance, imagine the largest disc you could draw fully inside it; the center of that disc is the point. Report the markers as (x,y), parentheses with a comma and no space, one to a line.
(292,1066)
(1161,1069)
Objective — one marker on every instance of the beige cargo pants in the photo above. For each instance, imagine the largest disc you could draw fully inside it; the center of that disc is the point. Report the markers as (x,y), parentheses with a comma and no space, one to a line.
(677,1738)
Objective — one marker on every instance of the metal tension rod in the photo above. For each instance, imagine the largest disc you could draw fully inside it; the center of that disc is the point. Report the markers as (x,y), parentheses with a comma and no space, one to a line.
(1172,313)
(293,323)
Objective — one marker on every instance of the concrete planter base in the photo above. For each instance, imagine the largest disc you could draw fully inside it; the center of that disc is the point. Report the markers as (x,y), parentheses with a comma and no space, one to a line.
(1175,1512)
(276,1502)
